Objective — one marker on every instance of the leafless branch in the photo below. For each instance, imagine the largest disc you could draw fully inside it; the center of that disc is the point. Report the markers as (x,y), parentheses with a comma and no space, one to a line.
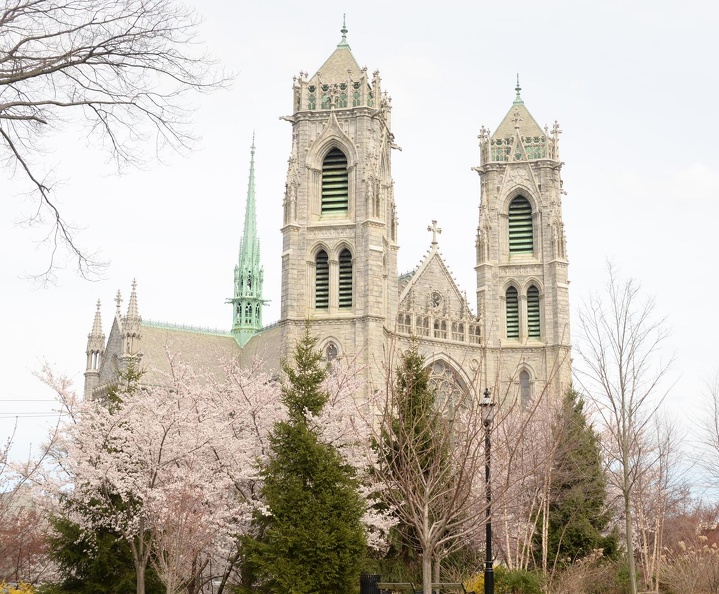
(123,67)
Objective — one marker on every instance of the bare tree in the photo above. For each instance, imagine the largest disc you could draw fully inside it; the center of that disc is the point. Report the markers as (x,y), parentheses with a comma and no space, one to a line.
(709,431)
(120,67)
(430,459)
(660,488)
(620,344)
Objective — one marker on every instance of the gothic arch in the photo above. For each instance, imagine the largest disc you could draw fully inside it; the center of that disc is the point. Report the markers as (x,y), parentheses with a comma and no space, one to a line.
(449,381)
(524,192)
(325,345)
(525,380)
(532,280)
(331,137)
(320,246)
(511,283)
(342,245)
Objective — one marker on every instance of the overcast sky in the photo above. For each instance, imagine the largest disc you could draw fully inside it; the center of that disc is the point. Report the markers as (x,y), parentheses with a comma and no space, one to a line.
(633,85)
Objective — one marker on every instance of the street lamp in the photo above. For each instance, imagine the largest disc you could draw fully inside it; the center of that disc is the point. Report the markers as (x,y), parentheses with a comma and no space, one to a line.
(487,418)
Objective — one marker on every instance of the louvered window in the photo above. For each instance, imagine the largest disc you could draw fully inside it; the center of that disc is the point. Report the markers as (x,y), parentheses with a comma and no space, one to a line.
(345,292)
(322,281)
(521,237)
(334,183)
(512,313)
(533,325)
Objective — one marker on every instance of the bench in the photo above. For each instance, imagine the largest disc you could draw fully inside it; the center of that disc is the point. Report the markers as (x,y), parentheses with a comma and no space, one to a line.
(409,587)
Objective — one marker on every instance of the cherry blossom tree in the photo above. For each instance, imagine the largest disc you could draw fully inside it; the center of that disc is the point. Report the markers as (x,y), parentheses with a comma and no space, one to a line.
(161,460)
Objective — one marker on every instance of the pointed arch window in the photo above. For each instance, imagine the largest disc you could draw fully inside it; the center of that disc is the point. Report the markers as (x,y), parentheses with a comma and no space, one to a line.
(521,233)
(335,183)
(525,388)
(345,289)
(534,328)
(322,280)
(512,304)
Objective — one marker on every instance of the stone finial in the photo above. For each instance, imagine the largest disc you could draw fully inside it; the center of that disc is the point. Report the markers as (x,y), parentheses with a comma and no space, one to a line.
(344,43)
(518,98)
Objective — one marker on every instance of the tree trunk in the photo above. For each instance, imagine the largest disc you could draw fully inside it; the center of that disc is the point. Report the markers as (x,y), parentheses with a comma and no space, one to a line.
(427,572)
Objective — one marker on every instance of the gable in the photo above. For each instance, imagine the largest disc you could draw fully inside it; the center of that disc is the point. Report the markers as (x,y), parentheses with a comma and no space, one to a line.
(433,288)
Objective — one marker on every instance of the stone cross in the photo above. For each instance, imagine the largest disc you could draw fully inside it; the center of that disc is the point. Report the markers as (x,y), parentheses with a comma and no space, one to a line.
(435,231)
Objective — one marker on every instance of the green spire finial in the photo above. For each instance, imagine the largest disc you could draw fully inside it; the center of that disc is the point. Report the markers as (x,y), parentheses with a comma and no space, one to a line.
(518,98)
(252,148)
(343,30)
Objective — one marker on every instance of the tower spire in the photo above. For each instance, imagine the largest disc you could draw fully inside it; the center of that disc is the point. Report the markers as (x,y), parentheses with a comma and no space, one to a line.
(95,352)
(131,325)
(247,301)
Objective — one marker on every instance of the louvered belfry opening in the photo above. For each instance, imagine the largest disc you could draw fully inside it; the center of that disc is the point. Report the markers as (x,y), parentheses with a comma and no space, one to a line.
(521,235)
(512,313)
(533,323)
(334,183)
(322,281)
(345,292)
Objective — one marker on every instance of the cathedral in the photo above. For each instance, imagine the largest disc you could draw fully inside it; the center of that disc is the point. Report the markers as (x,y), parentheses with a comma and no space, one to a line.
(339,260)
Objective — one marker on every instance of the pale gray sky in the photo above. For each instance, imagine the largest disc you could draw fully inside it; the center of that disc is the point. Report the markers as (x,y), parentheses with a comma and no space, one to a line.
(633,85)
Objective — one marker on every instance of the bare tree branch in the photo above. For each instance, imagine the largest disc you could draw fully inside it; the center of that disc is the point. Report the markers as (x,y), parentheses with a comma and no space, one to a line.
(123,67)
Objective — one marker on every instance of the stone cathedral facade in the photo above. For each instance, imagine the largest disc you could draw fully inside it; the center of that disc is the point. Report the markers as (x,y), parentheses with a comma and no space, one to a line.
(339,259)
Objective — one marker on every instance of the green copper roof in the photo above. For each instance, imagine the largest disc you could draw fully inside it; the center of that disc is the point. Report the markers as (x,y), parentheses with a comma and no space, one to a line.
(247,301)
(250,243)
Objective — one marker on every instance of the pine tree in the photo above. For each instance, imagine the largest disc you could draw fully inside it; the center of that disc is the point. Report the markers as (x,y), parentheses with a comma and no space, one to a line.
(312,537)
(578,515)
(90,564)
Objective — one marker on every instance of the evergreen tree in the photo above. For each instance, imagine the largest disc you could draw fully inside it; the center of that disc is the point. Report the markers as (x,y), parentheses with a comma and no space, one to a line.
(313,539)
(578,515)
(97,563)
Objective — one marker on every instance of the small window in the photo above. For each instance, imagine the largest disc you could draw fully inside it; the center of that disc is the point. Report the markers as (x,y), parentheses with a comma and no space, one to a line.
(331,351)
(525,388)
(322,281)
(345,292)
(521,234)
(335,183)
(533,322)
(512,313)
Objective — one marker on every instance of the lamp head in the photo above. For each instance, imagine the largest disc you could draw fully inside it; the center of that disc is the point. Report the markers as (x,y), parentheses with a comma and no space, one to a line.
(487,408)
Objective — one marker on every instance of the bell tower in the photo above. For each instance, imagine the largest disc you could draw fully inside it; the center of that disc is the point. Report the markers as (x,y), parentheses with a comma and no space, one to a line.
(522,282)
(339,233)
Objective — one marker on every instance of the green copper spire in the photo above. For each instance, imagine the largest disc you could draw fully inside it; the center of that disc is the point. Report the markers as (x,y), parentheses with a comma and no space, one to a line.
(518,98)
(247,302)
(343,30)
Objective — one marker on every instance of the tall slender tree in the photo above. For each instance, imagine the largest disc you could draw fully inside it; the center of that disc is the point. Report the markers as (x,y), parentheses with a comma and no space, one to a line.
(312,539)
(620,346)
(578,516)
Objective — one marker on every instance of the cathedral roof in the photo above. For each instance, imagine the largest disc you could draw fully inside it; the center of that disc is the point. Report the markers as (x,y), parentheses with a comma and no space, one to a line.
(519,115)
(203,350)
(340,65)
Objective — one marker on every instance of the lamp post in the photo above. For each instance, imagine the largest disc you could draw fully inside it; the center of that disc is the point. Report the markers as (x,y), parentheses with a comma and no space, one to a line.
(487,418)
